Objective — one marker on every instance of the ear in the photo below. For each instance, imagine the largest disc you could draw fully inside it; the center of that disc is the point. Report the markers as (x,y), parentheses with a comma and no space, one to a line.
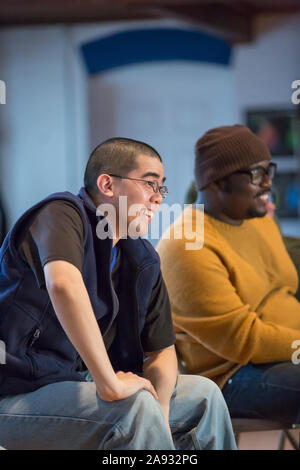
(217,186)
(223,185)
(105,185)
(214,186)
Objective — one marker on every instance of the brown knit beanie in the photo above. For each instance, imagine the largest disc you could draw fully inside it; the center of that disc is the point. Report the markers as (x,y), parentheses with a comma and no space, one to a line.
(223,150)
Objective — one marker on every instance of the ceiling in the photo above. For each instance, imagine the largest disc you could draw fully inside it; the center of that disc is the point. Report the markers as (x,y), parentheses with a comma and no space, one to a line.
(234,20)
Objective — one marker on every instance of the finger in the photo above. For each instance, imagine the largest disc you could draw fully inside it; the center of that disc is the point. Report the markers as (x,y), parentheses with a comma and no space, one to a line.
(147,385)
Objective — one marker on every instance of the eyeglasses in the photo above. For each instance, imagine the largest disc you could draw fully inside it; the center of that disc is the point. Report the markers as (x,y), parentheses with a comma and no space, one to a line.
(258,174)
(163,190)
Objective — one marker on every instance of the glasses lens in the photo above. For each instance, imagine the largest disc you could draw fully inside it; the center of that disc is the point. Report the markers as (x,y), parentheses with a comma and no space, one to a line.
(257,175)
(163,191)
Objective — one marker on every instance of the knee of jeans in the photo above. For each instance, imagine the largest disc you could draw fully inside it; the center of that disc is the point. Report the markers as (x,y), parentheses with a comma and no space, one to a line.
(211,385)
(207,389)
(144,403)
(145,399)
(207,386)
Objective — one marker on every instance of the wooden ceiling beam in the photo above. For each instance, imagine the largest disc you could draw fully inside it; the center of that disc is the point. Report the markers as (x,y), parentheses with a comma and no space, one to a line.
(231,19)
(79,14)
(224,21)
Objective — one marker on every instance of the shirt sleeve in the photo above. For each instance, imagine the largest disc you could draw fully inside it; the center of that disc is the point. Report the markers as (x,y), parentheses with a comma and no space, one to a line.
(158,330)
(56,233)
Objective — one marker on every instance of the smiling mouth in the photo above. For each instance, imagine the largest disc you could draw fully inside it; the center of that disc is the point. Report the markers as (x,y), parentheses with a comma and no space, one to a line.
(264,194)
(264,197)
(148,213)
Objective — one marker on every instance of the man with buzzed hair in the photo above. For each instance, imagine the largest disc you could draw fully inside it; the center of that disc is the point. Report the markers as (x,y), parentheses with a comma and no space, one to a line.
(236,317)
(75,305)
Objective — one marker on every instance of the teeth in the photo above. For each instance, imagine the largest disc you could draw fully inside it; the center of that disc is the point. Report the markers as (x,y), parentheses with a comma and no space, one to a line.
(265,197)
(147,212)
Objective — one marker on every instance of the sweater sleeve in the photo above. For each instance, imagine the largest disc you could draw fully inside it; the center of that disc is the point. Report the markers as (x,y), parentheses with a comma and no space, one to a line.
(208,309)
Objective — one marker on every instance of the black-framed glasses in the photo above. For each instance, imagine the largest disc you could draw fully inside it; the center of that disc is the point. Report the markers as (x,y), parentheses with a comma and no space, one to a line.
(163,190)
(258,173)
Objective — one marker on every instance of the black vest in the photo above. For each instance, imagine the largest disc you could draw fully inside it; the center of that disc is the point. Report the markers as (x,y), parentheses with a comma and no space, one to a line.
(38,352)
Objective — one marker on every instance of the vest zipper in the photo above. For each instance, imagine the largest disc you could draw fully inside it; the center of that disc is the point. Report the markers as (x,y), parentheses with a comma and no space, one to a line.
(36,336)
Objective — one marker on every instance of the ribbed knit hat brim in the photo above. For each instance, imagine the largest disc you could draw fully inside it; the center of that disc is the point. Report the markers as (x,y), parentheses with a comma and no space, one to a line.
(224,150)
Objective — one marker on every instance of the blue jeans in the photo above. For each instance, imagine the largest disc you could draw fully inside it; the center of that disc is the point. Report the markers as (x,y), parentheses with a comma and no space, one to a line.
(70,415)
(265,391)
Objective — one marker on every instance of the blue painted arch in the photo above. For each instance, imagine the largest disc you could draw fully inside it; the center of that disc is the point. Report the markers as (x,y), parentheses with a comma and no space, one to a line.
(151,45)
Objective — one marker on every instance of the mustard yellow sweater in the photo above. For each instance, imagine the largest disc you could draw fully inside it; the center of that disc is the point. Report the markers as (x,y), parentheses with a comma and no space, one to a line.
(233,300)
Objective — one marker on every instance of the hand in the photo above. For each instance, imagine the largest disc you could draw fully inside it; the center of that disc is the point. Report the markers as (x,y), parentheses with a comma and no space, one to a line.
(128,384)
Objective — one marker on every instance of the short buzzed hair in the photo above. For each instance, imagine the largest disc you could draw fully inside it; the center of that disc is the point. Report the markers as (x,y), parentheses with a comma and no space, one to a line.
(114,156)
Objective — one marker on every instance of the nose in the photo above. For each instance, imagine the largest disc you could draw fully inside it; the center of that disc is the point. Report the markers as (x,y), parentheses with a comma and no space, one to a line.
(156,198)
(266,182)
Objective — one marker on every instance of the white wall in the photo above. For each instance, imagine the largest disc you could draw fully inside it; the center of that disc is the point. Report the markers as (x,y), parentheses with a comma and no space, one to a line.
(39,143)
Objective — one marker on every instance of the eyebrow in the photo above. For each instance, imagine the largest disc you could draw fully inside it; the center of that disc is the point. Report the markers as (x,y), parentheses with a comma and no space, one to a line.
(154,175)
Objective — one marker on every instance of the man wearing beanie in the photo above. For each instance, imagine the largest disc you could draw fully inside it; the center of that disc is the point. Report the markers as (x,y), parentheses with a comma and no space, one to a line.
(236,317)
